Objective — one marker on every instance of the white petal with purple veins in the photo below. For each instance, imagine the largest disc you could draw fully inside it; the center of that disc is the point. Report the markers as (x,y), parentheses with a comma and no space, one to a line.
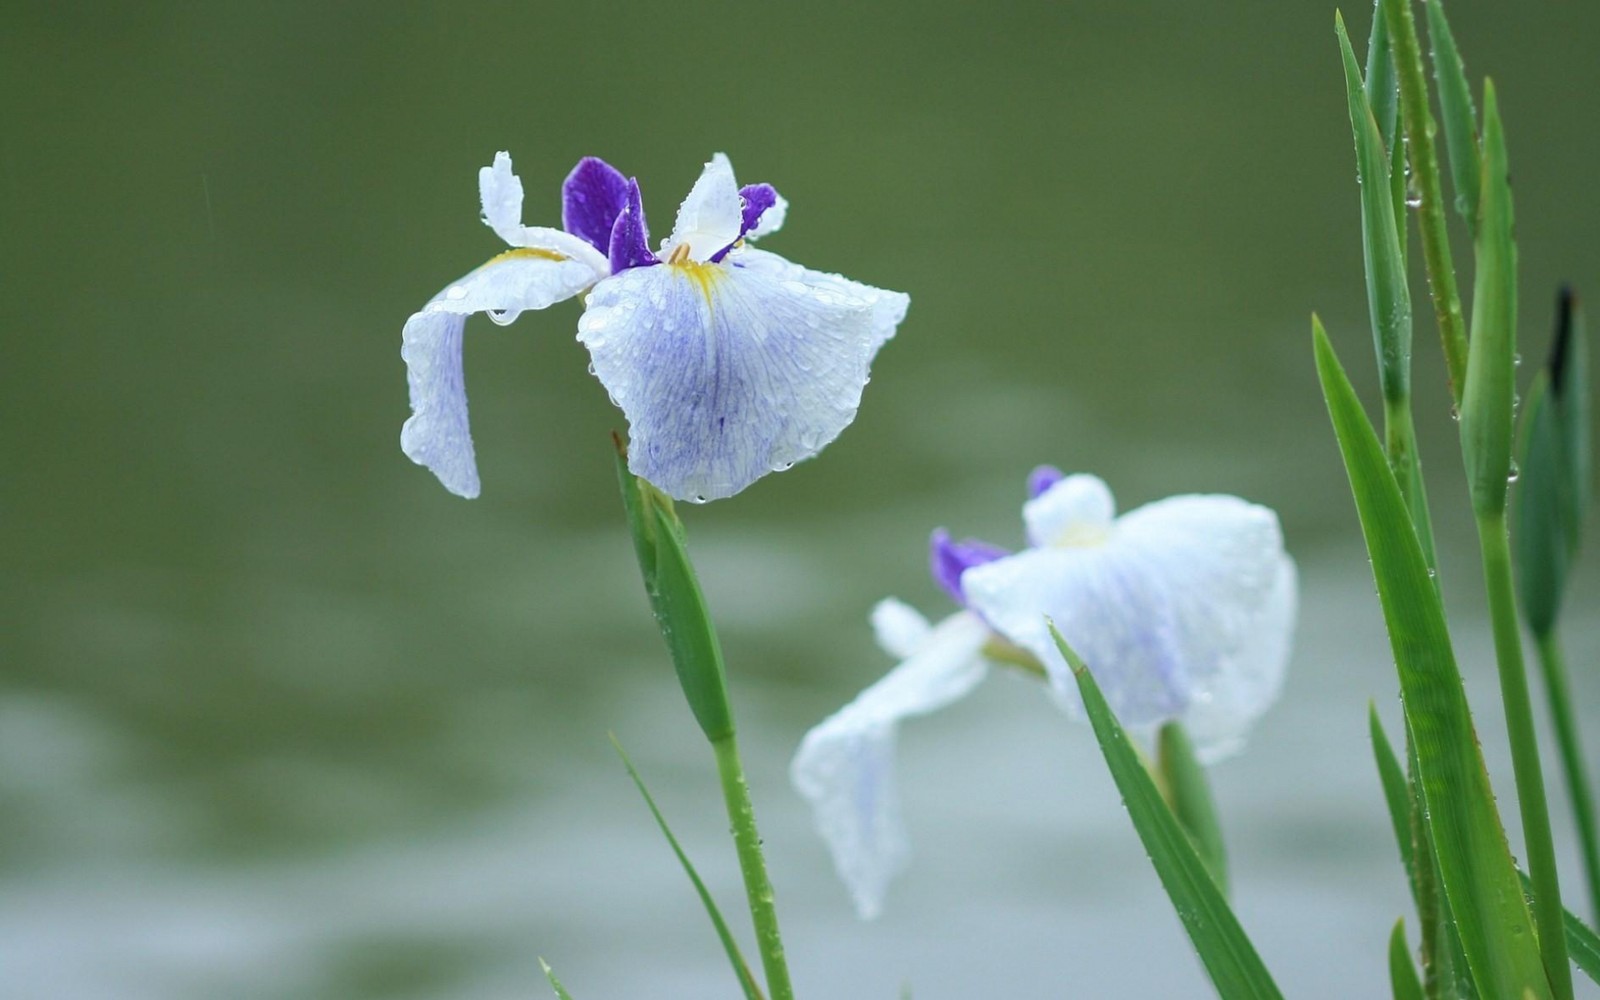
(709,218)
(888,308)
(729,371)
(845,766)
(1075,510)
(437,434)
(1163,610)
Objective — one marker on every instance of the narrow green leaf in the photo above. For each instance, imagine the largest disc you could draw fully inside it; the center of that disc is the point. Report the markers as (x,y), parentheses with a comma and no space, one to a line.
(1383,89)
(1224,949)
(741,968)
(1474,861)
(1388,296)
(641,526)
(555,984)
(1460,120)
(1552,492)
(1486,402)
(1395,794)
(1190,797)
(1402,974)
(686,625)
(1583,945)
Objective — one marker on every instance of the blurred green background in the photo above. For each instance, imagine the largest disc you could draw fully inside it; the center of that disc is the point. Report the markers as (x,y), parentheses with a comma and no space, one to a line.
(280,717)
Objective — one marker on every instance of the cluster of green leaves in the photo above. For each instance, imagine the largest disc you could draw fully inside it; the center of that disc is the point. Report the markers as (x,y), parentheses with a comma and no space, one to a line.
(1487,929)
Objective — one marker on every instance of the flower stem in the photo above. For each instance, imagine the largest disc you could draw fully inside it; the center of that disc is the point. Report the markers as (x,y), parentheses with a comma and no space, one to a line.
(1547,912)
(757,887)
(1555,678)
(1420,130)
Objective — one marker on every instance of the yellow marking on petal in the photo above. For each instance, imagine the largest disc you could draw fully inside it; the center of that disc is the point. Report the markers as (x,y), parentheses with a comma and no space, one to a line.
(1082,535)
(703,274)
(534,253)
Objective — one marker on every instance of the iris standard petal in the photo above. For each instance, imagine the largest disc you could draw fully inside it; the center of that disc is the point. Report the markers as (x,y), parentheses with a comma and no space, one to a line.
(1073,510)
(592,197)
(727,372)
(710,217)
(899,628)
(436,435)
(501,193)
(845,766)
(764,210)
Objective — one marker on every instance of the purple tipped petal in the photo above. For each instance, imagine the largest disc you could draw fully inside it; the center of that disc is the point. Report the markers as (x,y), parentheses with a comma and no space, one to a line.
(593,196)
(630,235)
(947,560)
(757,199)
(1042,478)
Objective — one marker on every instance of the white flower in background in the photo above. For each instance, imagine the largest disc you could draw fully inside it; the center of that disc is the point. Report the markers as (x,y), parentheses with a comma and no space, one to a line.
(1183,609)
(729,362)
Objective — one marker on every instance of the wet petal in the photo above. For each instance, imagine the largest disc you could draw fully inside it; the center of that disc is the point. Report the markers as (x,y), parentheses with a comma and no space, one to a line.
(437,435)
(764,210)
(1221,712)
(728,372)
(710,217)
(501,193)
(1072,510)
(630,235)
(888,308)
(1164,610)
(845,766)
(592,197)
(899,628)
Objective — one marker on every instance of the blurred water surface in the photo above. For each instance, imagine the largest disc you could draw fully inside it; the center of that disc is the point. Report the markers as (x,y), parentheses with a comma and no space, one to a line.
(279,717)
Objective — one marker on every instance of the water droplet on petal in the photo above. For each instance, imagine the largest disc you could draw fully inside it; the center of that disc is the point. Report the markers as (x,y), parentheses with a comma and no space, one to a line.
(504,317)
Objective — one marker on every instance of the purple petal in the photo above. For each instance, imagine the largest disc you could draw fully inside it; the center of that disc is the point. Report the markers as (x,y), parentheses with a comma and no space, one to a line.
(947,560)
(630,235)
(757,199)
(594,194)
(1042,478)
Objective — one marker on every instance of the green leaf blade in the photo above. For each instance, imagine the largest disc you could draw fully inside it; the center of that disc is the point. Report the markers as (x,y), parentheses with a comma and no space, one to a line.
(1403,980)
(1224,949)
(1474,860)
(1460,118)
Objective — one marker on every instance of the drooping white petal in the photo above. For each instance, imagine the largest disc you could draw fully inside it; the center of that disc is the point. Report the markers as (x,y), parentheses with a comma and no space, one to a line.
(845,766)
(728,371)
(710,217)
(771,220)
(899,628)
(1161,610)
(888,308)
(437,434)
(500,191)
(1078,509)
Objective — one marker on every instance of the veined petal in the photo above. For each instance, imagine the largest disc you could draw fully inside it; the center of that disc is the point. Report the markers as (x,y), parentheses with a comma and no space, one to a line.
(501,193)
(899,628)
(709,218)
(888,308)
(630,235)
(845,766)
(1162,610)
(437,435)
(727,372)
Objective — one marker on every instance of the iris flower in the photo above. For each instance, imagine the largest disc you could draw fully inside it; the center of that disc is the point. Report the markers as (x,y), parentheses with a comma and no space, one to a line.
(729,362)
(1183,609)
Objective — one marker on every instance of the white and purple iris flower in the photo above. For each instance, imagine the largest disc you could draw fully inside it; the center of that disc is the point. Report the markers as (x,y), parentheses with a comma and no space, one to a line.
(1183,609)
(729,362)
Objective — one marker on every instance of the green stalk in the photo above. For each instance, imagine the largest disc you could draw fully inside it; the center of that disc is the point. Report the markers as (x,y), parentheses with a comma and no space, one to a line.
(757,887)
(1555,682)
(1420,132)
(1547,912)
